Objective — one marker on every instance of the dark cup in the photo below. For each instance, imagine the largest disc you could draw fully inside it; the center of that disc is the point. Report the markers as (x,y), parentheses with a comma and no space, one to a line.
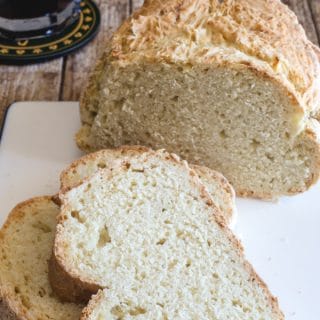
(36,18)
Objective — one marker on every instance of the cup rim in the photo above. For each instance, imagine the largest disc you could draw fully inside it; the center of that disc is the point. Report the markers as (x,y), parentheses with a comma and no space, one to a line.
(48,21)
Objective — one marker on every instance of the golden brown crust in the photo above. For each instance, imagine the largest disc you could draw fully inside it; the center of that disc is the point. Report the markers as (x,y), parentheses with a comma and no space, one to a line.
(67,287)
(224,184)
(261,30)
(7,309)
(86,312)
(102,154)
(254,277)
(81,137)
(20,210)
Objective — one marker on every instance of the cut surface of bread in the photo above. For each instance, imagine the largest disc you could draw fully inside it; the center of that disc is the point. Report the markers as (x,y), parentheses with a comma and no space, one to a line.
(26,242)
(150,235)
(217,185)
(221,83)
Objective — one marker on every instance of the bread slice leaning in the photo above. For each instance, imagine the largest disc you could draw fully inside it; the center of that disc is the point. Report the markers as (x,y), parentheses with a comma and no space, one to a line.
(149,234)
(25,246)
(217,185)
(221,83)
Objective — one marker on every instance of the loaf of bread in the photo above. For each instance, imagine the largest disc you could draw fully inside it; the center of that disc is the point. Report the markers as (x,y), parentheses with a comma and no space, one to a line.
(216,184)
(25,247)
(232,85)
(149,233)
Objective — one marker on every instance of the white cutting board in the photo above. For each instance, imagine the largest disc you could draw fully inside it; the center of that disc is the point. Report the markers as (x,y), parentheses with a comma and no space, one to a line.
(282,240)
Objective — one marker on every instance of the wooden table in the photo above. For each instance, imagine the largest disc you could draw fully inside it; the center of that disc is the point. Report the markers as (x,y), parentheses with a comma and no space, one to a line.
(63,79)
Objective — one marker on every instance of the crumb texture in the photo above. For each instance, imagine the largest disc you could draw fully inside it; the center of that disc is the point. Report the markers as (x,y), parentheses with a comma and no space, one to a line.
(221,83)
(220,190)
(149,234)
(25,247)
(237,124)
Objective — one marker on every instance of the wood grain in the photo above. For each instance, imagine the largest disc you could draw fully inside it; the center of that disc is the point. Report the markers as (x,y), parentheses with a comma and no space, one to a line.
(302,10)
(78,65)
(315,11)
(25,83)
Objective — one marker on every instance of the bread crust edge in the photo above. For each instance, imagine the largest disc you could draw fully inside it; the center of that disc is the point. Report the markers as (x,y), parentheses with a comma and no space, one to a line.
(9,308)
(216,216)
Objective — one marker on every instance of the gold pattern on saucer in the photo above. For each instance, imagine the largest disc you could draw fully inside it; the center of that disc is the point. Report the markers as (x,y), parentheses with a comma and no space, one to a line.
(53,47)
(81,31)
(37,51)
(23,43)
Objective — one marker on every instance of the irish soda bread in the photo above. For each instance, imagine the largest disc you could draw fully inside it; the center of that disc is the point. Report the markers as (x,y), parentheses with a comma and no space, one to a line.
(25,246)
(216,184)
(233,85)
(150,235)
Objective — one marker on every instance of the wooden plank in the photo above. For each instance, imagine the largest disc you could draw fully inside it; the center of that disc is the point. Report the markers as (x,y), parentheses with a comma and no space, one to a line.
(302,10)
(78,65)
(35,82)
(315,10)
(135,4)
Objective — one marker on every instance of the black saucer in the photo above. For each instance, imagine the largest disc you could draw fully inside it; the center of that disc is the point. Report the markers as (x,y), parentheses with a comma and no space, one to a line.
(42,49)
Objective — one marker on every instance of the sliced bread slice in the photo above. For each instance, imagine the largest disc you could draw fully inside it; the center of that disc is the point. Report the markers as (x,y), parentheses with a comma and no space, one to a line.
(149,234)
(221,83)
(217,185)
(25,246)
